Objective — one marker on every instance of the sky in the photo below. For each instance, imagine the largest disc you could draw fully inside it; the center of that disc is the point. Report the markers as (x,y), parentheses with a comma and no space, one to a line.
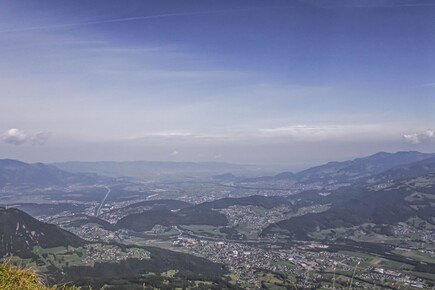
(289,83)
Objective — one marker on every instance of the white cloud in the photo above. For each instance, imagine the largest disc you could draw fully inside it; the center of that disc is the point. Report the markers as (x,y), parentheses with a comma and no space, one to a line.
(174,153)
(411,138)
(181,136)
(15,136)
(295,130)
(171,134)
(39,138)
(18,137)
(417,138)
(318,132)
(428,85)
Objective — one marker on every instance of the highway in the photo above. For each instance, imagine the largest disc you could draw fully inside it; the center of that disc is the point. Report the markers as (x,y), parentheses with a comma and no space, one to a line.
(97,210)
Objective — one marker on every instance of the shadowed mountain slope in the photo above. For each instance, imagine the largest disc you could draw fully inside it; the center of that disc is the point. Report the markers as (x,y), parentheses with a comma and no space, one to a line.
(19,233)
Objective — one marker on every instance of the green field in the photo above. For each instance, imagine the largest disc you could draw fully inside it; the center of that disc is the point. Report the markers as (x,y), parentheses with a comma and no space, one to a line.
(375,261)
(204,230)
(416,255)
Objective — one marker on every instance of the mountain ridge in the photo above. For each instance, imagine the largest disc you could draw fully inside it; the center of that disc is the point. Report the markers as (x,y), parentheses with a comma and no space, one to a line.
(388,201)
(18,173)
(19,233)
(348,171)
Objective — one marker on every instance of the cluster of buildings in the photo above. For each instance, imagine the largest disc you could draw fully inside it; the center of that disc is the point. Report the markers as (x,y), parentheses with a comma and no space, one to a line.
(303,262)
(246,260)
(108,253)
(248,215)
(243,259)
(381,275)
(407,232)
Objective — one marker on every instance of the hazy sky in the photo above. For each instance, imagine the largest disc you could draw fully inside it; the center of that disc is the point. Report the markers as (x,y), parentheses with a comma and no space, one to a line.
(279,82)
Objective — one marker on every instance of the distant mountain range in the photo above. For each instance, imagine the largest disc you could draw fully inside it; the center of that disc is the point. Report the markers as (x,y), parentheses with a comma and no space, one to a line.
(155,169)
(284,176)
(351,171)
(380,191)
(348,171)
(19,233)
(372,195)
(17,173)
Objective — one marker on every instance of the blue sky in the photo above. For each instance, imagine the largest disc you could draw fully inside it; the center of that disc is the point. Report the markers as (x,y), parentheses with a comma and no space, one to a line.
(292,83)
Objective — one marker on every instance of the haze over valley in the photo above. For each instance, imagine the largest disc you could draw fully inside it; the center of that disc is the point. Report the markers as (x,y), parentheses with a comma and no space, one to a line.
(308,229)
(200,144)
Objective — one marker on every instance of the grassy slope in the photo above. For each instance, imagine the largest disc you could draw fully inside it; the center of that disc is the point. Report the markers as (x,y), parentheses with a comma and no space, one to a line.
(16,278)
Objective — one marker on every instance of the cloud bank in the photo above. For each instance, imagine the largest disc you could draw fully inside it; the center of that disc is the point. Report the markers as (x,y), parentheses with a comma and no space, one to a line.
(417,138)
(18,137)
(334,132)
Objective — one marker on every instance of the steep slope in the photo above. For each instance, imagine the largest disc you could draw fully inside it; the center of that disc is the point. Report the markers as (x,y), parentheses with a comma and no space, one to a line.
(132,273)
(17,173)
(19,233)
(420,168)
(18,278)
